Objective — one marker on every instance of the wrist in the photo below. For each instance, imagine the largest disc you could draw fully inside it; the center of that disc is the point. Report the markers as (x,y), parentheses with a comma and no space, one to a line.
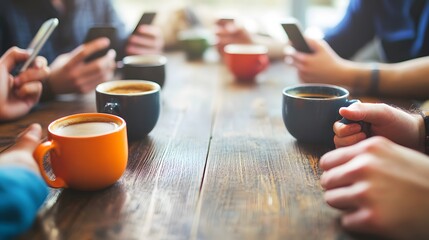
(374,81)
(357,77)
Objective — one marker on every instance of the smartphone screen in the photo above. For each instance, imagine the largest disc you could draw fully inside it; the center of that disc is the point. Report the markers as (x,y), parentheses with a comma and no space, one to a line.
(39,40)
(295,36)
(146,18)
(98,32)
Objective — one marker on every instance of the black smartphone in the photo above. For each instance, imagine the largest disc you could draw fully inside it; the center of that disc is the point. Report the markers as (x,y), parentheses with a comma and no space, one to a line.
(292,29)
(146,18)
(98,32)
(39,40)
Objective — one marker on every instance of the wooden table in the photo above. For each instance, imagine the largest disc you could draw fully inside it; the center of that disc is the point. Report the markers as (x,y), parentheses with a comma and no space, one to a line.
(219,164)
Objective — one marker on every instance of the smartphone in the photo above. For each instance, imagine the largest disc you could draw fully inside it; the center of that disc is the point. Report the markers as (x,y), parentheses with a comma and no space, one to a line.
(39,40)
(98,32)
(292,29)
(147,19)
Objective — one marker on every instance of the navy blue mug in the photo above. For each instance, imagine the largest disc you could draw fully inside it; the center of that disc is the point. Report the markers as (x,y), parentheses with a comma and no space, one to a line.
(136,101)
(310,111)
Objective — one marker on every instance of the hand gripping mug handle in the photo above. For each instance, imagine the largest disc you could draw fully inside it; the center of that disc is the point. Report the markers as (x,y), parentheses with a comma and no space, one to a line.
(39,155)
(366,127)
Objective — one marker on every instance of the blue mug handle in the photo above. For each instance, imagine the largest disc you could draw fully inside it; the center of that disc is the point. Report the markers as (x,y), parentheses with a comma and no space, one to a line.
(366,127)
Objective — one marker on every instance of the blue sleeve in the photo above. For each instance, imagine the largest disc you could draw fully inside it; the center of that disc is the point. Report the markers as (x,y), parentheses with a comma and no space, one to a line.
(22,192)
(355,30)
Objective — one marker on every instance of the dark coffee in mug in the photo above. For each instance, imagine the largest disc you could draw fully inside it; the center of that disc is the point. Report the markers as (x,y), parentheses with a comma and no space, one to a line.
(130,88)
(315,95)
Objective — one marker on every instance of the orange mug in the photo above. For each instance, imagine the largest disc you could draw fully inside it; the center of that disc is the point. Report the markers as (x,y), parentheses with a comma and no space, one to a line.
(88,151)
(245,61)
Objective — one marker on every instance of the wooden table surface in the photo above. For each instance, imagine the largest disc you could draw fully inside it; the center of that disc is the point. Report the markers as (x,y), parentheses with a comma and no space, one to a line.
(219,164)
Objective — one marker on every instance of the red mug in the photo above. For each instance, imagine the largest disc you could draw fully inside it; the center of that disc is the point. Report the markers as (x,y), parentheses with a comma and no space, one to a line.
(246,61)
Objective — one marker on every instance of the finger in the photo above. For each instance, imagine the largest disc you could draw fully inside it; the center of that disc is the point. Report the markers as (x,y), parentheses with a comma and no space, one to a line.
(358,221)
(40,62)
(29,90)
(6,80)
(316,44)
(89,83)
(339,156)
(367,112)
(142,41)
(300,58)
(148,31)
(344,130)
(31,75)
(342,198)
(13,56)
(343,175)
(28,139)
(103,64)
(349,140)
(83,51)
(97,74)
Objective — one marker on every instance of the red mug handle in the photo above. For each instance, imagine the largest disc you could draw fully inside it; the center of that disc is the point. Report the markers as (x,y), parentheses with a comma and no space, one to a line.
(263,62)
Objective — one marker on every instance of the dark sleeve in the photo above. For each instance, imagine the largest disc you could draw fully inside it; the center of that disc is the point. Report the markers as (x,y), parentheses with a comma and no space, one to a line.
(122,34)
(4,33)
(22,192)
(355,30)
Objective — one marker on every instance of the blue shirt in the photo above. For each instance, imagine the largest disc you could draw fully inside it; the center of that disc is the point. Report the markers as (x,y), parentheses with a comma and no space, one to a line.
(20,20)
(400,25)
(22,192)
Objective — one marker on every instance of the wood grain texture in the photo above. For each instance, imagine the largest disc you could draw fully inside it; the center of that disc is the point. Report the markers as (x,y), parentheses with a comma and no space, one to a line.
(219,164)
(157,195)
(259,182)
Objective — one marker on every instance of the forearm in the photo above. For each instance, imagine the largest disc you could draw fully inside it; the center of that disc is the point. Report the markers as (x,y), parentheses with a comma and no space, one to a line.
(356,76)
(405,79)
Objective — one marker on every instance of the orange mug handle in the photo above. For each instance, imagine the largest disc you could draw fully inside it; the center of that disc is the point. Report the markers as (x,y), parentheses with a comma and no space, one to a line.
(39,155)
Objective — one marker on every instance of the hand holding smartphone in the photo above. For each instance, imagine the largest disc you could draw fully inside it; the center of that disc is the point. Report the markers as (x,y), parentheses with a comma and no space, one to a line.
(146,19)
(292,29)
(98,32)
(39,40)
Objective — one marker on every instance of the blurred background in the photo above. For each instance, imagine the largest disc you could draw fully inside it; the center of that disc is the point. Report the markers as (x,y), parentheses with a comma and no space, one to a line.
(260,16)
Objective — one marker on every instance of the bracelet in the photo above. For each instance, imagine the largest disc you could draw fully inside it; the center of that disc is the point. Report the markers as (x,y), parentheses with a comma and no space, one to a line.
(374,81)
(425,116)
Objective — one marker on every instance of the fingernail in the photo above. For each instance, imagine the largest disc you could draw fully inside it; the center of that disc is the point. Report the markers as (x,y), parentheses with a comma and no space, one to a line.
(322,182)
(355,128)
(17,81)
(37,64)
(34,131)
